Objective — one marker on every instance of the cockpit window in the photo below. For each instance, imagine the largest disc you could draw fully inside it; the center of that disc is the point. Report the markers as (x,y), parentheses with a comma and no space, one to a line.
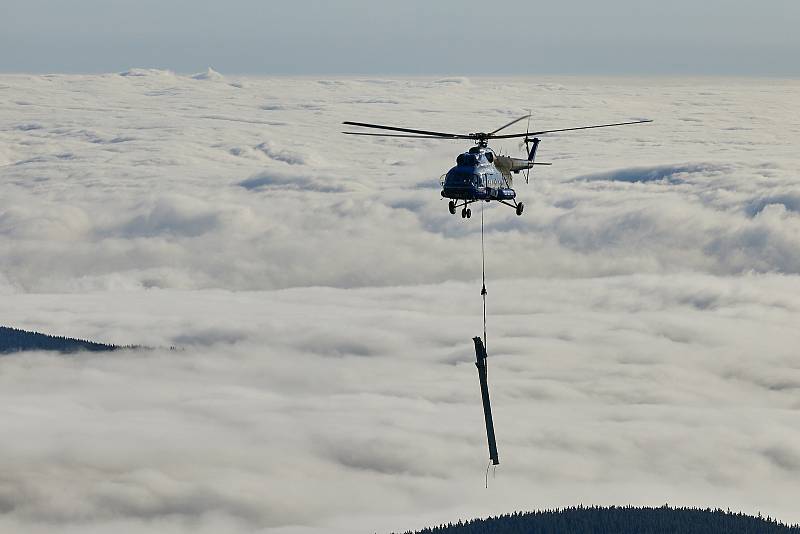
(469,160)
(460,177)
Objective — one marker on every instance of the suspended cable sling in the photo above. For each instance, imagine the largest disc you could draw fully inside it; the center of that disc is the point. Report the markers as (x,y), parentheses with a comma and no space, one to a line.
(483,280)
(480,363)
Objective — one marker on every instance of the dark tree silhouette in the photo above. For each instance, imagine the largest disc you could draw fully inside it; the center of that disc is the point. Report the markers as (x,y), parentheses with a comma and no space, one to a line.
(14,340)
(619,520)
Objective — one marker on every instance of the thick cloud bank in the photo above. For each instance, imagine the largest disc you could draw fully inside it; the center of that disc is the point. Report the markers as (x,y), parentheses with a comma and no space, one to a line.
(643,311)
(150,179)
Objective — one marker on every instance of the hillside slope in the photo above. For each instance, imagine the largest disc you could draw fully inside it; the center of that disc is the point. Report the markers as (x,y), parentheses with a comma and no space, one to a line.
(618,520)
(15,340)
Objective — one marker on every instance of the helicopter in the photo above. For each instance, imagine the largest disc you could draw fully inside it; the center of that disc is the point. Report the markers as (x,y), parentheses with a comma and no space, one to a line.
(480,173)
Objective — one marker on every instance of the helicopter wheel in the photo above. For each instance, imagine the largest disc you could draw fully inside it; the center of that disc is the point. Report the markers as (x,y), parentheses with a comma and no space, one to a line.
(520,208)
(464,213)
(469,213)
(452,207)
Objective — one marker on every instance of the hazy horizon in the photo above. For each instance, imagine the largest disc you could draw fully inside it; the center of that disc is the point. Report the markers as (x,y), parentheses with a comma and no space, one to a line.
(310,37)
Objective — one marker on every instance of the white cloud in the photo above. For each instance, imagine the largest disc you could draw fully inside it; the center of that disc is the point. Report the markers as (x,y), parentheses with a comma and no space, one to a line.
(642,325)
(209,74)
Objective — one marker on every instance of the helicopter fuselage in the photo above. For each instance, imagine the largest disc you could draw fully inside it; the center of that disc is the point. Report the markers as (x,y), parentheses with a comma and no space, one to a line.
(475,177)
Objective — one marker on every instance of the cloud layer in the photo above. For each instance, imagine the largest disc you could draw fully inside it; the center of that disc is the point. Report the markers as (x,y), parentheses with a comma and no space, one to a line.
(162,180)
(643,311)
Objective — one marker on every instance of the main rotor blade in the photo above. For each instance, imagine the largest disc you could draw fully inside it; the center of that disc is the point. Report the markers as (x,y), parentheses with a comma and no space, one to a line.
(510,123)
(399,135)
(407,130)
(509,136)
(589,127)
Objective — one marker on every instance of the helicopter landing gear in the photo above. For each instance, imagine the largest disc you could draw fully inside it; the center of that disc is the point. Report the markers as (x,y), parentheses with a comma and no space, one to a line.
(454,205)
(519,207)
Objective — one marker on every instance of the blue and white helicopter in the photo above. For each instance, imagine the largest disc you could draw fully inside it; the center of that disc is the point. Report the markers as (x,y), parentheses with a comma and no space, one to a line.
(480,173)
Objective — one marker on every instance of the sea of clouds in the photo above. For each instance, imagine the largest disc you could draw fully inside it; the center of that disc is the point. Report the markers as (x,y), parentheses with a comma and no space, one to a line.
(320,300)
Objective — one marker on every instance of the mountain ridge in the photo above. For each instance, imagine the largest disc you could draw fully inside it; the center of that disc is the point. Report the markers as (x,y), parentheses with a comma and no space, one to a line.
(17,340)
(618,520)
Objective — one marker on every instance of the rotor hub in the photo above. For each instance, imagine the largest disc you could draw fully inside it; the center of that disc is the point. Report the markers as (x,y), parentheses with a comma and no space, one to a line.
(481,139)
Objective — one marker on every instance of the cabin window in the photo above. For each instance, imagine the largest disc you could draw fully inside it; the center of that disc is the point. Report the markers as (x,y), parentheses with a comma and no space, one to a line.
(460,177)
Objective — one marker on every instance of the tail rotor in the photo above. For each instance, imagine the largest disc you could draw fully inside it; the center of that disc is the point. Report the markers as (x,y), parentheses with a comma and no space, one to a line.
(527,130)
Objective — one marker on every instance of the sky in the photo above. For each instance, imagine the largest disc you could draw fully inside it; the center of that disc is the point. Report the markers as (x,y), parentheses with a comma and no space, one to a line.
(642,312)
(413,37)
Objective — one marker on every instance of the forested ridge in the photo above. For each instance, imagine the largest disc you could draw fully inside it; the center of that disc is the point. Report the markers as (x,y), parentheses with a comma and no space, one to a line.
(618,520)
(15,340)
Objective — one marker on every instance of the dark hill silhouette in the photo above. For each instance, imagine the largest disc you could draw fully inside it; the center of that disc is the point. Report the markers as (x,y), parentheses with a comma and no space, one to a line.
(618,520)
(14,340)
